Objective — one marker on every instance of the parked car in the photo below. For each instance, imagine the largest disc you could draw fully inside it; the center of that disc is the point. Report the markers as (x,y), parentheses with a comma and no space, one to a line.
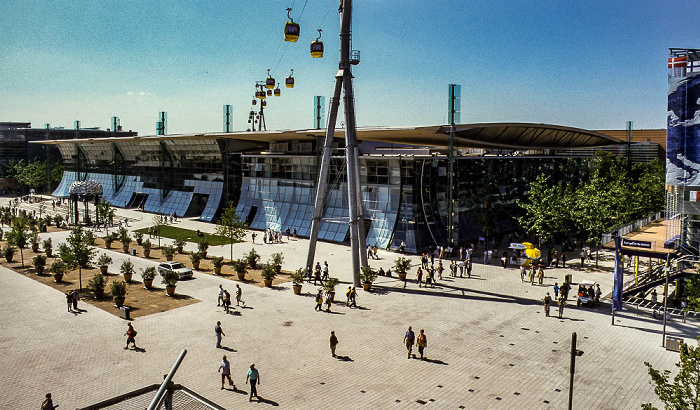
(183,271)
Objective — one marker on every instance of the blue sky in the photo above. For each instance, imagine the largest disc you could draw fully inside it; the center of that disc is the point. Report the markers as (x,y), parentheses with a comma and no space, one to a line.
(587,63)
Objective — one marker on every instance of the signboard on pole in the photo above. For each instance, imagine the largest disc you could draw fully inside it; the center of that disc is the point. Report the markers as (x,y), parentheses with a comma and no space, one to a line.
(636,244)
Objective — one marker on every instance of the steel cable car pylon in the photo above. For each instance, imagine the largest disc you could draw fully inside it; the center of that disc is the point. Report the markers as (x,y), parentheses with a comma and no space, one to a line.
(343,81)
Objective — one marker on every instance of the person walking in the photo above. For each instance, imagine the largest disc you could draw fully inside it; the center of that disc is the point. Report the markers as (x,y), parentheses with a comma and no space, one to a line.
(562,304)
(225,370)
(76,298)
(468,267)
(348,294)
(540,275)
(563,259)
(219,332)
(319,301)
(220,300)
(239,293)
(47,404)
(254,377)
(328,302)
(598,293)
(69,301)
(326,275)
(419,276)
(130,336)
(422,343)
(353,297)
(333,342)
(227,301)
(408,339)
(556,290)
(583,256)
(547,302)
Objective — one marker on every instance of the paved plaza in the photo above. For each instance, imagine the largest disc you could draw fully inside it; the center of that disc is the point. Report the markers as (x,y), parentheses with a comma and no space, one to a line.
(489,342)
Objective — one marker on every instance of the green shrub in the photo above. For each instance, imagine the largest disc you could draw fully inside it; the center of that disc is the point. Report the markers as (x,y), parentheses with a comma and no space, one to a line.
(298,276)
(269,271)
(170,278)
(252,258)
(97,284)
(118,288)
(368,275)
(126,268)
(218,261)
(104,260)
(149,273)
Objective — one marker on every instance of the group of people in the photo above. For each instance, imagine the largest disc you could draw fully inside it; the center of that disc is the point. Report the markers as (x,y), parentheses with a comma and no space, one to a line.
(225,298)
(72,298)
(318,273)
(561,294)
(421,342)
(252,376)
(536,270)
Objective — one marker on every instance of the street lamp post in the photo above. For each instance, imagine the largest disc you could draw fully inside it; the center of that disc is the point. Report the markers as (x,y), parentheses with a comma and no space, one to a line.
(572,368)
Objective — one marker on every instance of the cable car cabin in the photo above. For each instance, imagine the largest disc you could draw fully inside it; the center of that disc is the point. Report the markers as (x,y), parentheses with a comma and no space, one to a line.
(289,82)
(277,92)
(291,31)
(260,94)
(270,83)
(254,102)
(316,49)
(269,93)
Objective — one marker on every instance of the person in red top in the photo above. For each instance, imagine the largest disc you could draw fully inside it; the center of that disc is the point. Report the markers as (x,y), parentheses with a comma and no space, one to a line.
(130,336)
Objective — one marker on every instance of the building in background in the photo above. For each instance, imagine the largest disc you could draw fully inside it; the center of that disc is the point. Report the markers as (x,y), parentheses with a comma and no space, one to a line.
(683,150)
(270,176)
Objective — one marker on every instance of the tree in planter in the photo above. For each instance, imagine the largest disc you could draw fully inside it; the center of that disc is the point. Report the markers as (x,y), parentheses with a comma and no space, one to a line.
(58,269)
(18,235)
(169,252)
(231,226)
(109,239)
(47,245)
(105,213)
(39,262)
(179,244)
(298,277)
(277,259)
(329,287)
(127,270)
(8,251)
(34,240)
(241,268)
(684,391)
(118,290)
(252,258)
(75,252)
(57,220)
(147,245)
(139,237)
(268,273)
(125,239)
(103,261)
(148,275)
(218,263)
(170,279)
(401,266)
(367,276)
(97,285)
(196,258)
(89,237)
(202,247)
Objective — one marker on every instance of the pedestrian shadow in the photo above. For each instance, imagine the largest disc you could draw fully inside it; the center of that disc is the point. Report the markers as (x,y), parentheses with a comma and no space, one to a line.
(77,311)
(434,361)
(344,358)
(228,349)
(139,349)
(237,390)
(571,319)
(245,307)
(333,313)
(363,308)
(267,401)
(235,313)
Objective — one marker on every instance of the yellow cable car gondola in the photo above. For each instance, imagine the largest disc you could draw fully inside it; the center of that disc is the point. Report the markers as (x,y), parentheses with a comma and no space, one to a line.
(269,93)
(269,82)
(260,94)
(277,91)
(317,46)
(291,29)
(254,102)
(289,82)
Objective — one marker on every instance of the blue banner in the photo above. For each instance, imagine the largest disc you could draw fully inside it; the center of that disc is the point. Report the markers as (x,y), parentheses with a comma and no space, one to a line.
(619,271)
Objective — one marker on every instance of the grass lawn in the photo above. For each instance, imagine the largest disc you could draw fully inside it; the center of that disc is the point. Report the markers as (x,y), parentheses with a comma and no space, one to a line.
(188,235)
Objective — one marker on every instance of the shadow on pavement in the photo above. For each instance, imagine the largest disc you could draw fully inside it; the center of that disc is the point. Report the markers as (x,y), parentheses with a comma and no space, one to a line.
(434,361)
(344,358)
(268,401)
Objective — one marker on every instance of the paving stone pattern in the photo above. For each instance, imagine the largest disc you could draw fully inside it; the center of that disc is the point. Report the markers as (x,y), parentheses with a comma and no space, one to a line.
(489,342)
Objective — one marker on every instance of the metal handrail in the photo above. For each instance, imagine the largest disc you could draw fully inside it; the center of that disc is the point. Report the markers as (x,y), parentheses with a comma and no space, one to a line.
(633,226)
(166,382)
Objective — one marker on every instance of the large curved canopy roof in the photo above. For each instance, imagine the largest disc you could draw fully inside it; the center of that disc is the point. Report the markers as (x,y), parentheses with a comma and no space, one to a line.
(483,135)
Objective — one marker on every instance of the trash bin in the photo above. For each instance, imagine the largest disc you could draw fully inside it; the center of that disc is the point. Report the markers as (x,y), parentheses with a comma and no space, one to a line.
(133,252)
(673,343)
(568,278)
(124,312)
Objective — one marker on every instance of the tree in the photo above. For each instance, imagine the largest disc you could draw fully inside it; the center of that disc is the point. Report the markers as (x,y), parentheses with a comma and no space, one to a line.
(691,291)
(76,253)
(545,209)
(230,226)
(684,391)
(36,174)
(18,235)
(105,213)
